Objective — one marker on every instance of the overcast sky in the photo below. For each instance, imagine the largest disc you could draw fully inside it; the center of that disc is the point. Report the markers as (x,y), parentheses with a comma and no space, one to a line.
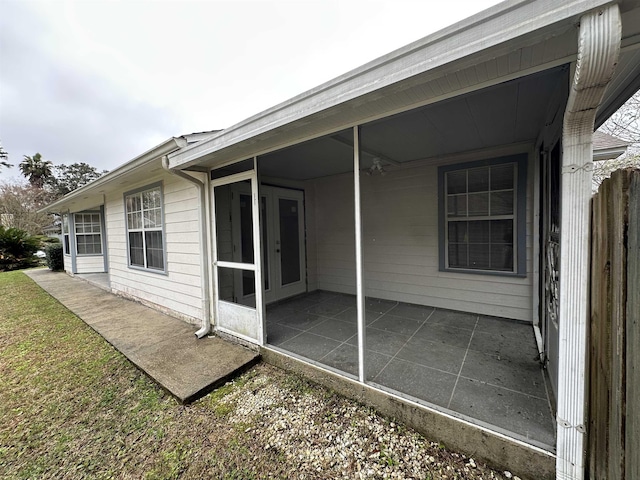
(103,81)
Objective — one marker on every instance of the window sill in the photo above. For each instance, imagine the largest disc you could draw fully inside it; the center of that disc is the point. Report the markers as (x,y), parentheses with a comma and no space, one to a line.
(491,273)
(148,270)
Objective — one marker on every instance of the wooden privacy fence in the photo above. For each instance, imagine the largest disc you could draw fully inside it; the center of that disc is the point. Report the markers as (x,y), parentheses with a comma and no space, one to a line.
(614,337)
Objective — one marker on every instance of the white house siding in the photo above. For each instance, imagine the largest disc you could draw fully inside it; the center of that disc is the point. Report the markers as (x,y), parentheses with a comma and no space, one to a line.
(179,290)
(90,264)
(68,267)
(400,245)
(310,229)
(329,210)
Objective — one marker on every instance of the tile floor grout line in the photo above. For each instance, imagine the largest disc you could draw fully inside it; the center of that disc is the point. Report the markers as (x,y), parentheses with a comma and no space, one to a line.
(295,336)
(405,343)
(293,328)
(308,330)
(344,342)
(483,382)
(331,351)
(464,359)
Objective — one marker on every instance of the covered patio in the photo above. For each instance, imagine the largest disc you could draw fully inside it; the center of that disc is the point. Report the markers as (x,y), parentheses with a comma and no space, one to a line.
(485,369)
(429,216)
(452,328)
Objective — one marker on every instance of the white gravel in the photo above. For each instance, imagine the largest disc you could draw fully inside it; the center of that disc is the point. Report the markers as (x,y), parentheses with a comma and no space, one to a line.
(326,436)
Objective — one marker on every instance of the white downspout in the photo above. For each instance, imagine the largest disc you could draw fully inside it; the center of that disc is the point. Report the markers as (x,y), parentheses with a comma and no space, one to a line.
(204,251)
(598,51)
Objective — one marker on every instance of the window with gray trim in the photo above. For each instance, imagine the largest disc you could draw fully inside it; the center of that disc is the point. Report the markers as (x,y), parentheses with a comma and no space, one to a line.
(482,216)
(65,234)
(145,228)
(88,232)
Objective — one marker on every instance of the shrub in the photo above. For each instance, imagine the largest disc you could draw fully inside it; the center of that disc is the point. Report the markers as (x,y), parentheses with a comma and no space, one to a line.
(55,259)
(17,249)
(47,240)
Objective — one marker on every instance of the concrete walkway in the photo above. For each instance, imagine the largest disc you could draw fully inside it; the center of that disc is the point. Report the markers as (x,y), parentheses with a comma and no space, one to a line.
(163,347)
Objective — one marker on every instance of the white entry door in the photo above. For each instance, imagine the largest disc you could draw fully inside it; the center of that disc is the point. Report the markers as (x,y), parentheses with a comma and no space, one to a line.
(283,242)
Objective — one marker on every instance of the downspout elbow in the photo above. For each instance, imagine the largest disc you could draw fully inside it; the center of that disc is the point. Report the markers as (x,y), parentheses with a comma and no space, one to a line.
(204,263)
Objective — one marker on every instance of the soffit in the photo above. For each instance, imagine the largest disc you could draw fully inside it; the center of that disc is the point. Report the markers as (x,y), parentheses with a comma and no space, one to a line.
(510,113)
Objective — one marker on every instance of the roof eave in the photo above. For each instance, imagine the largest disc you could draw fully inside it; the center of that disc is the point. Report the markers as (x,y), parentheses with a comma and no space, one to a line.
(481,32)
(608,153)
(166,147)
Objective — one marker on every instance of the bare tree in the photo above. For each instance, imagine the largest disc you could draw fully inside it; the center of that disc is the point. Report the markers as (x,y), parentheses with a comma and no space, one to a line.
(625,125)
(19,204)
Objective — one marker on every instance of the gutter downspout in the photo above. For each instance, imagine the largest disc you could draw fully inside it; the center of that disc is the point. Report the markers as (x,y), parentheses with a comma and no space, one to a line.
(598,52)
(204,251)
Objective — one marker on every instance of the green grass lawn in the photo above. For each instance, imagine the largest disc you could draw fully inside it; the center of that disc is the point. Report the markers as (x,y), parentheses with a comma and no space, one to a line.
(72,407)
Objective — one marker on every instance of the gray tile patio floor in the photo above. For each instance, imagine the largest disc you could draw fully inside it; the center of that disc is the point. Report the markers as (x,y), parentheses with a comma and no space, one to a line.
(484,369)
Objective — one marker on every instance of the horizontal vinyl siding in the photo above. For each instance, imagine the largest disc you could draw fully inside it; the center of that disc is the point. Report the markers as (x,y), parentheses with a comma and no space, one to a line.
(179,290)
(67,263)
(311,242)
(334,235)
(400,246)
(90,264)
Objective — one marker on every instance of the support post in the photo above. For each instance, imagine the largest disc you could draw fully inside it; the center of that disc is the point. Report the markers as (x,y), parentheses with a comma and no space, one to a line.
(362,340)
(598,50)
(257,249)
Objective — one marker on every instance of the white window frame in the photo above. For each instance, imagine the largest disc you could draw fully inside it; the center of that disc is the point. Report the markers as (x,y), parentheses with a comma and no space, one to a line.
(150,220)
(91,228)
(518,215)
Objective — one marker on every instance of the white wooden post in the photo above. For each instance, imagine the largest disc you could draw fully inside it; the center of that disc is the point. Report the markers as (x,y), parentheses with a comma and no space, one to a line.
(599,47)
(257,253)
(362,339)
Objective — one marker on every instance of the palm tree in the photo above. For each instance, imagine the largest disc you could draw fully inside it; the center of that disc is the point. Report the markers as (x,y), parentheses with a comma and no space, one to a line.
(36,170)
(3,158)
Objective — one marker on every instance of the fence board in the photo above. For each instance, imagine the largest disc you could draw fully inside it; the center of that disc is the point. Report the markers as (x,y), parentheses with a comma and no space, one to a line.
(619,209)
(599,335)
(632,465)
(614,335)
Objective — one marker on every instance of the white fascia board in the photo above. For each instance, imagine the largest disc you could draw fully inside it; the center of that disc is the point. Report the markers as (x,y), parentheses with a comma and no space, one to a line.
(608,153)
(491,28)
(168,146)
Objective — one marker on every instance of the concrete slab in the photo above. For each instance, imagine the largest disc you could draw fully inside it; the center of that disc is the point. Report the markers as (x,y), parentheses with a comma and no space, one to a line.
(163,347)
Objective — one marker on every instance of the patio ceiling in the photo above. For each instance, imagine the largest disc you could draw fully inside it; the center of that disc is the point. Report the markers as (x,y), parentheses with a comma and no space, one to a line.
(512,112)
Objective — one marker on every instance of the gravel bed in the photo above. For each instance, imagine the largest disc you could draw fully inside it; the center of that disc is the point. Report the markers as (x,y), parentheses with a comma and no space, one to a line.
(323,435)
